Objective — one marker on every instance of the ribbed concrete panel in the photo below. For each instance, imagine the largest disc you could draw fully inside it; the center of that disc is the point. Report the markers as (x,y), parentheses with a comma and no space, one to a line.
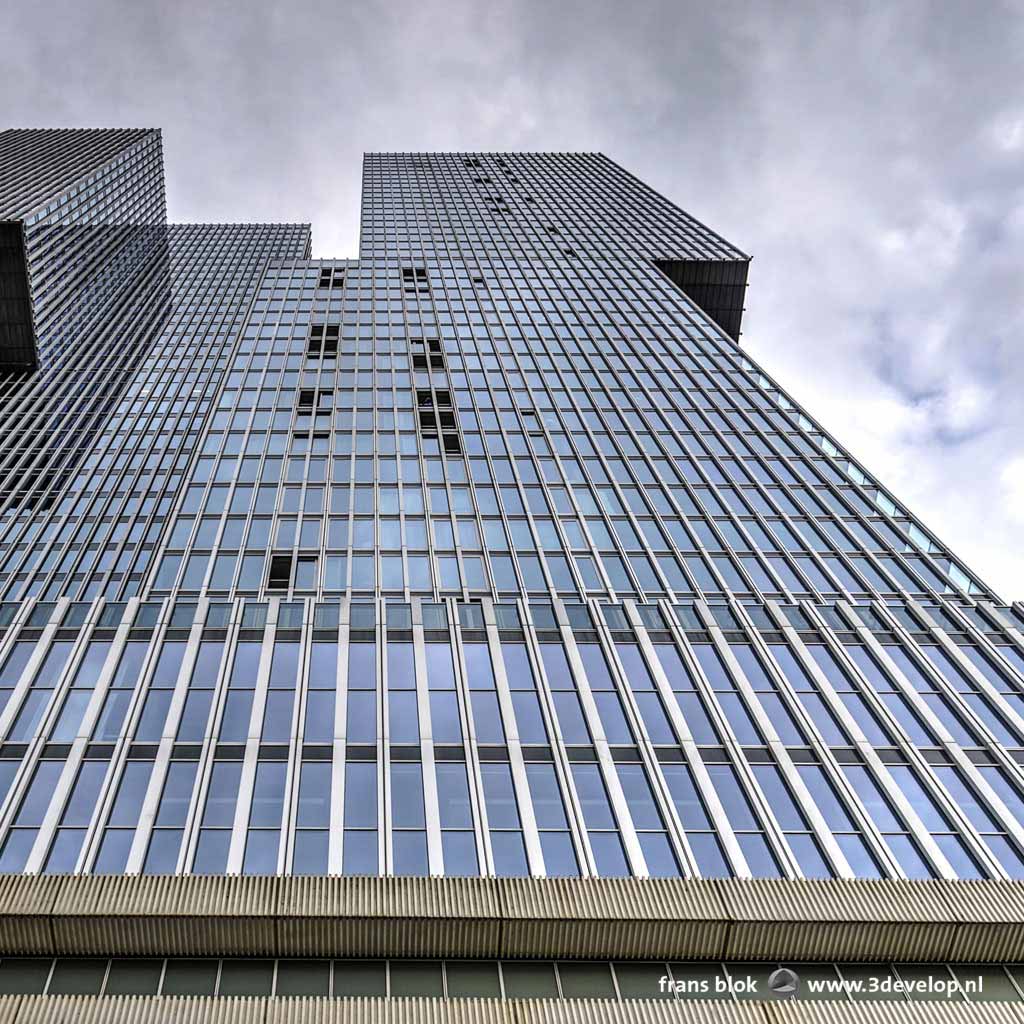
(389,1011)
(992,917)
(610,917)
(247,1010)
(138,1010)
(196,915)
(26,903)
(388,917)
(641,1011)
(891,1013)
(479,917)
(838,920)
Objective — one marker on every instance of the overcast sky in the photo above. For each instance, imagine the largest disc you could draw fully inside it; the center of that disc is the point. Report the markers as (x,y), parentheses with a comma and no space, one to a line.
(870,157)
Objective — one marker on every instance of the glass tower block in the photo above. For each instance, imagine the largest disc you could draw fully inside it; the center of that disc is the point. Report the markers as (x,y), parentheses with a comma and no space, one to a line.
(488,553)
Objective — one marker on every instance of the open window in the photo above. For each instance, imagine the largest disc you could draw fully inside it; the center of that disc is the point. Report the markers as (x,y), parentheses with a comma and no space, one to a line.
(280,577)
(415,281)
(314,398)
(331,277)
(323,339)
(427,352)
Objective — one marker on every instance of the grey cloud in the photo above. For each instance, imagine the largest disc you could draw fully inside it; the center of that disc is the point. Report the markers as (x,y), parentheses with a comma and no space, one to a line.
(867,155)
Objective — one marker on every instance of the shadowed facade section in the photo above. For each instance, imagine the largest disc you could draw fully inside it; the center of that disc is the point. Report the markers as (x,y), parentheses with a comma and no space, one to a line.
(717,286)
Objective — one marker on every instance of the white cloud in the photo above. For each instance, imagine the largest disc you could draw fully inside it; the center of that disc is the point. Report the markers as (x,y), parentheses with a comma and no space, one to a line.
(1012,479)
(1008,131)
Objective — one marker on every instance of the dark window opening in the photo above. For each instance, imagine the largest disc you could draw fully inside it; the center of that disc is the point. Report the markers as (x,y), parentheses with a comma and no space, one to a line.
(323,337)
(414,280)
(331,277)
(420,359)
(280,572)
(311,397)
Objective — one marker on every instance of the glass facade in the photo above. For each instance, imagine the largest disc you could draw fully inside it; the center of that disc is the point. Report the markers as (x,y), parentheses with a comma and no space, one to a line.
(687,981)
(488,553)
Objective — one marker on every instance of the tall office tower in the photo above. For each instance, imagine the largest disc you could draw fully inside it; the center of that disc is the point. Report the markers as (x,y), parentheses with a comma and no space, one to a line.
(473,618)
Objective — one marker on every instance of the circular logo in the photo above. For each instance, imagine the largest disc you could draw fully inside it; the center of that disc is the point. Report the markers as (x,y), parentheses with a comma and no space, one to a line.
(783,983)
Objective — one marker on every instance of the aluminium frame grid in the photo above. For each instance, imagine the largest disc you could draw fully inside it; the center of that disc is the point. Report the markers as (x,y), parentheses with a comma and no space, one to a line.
(524,285)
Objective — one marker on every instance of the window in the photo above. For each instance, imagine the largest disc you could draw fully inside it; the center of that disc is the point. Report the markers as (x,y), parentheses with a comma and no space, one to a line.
(311,398)
(323,338)
(331,277)
(280,572)
(305,572)
(415,281)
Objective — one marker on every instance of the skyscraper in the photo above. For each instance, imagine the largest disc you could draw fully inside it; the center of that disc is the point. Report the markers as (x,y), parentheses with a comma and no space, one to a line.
(476,600)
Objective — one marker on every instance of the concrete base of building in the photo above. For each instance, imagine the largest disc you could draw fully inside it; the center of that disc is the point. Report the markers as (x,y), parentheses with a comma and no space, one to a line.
(650,919)
(305,1010)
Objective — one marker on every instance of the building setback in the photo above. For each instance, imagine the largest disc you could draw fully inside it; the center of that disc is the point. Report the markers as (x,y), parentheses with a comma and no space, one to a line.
(472,627)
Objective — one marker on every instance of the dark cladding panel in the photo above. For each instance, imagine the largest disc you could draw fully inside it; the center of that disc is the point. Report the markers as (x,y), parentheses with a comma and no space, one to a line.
(717,286)
(17,341)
